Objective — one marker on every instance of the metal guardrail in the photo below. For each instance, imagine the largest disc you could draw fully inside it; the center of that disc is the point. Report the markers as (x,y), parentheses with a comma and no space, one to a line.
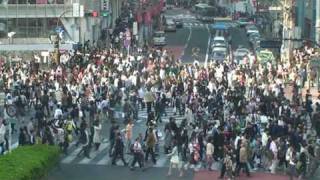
(35,10)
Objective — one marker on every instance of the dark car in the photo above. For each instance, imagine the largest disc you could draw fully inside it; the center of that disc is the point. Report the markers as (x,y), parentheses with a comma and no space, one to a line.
(179,23)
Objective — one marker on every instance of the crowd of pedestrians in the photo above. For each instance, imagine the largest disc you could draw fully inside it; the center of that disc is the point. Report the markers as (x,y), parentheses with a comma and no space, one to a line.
(237,116)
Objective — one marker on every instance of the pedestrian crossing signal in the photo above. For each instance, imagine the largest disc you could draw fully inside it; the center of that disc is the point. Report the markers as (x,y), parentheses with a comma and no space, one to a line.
(94,14)
(104,13)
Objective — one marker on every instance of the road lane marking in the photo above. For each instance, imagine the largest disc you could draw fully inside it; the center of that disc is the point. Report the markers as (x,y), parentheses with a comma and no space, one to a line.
(161,161)
(208,47)
(86,160)
(72,156)
(104,160)
(187,43)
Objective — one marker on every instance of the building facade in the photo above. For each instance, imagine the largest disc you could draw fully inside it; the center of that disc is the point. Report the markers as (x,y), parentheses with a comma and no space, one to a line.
(32,21)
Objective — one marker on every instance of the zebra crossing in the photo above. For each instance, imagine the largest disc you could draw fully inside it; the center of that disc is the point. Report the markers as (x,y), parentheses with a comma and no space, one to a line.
(101,157)
(202,24)
(194,24)
(143,115)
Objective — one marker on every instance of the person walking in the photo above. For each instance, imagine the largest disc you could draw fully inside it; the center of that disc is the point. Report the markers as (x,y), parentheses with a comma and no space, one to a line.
(209,153)
(150,144)
(137,154)
(128,135)
(274,149)
(2,136)
(227,166)
(85,142)
(97,134)
(118,150)
(314,161)
(175,160)
(149,99)
(112,136)
(243,159)
(291,156)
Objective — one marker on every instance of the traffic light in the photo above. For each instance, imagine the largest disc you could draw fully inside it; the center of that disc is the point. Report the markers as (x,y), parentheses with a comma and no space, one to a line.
(104,13)
(91,14)
(105,5)
(94,14)
(105,8)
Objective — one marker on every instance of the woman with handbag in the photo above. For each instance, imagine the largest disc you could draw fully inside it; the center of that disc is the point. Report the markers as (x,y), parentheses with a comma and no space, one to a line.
(175,161)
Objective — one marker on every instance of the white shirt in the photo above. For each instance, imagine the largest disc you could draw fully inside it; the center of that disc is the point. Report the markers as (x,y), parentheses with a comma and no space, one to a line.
(2,132)
(57,113)
(273,147)
(264,139)
(141,93)
(162,74)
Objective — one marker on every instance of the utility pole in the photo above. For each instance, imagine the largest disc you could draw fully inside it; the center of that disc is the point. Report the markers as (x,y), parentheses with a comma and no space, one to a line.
(288,30)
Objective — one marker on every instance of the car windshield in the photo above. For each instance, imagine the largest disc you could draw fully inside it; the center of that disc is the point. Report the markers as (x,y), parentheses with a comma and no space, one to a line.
(218,42)
(219,54)
(158,34)
(252,29)
(239,57)
(242,51)
(255,35)
(243,20)
(170,22)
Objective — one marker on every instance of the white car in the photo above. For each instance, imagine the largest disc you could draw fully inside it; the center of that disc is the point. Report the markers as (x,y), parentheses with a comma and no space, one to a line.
(219,41)
(252,29)
(170,25)
(219,54)
(159,38)
(243,22)
(240,54)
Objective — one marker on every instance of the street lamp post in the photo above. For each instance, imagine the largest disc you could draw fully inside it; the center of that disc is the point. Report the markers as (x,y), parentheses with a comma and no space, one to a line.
(56,53)
(288,29)
(55,39)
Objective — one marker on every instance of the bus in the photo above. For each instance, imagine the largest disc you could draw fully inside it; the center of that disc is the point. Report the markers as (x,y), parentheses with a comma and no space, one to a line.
(204,12)
(221,29)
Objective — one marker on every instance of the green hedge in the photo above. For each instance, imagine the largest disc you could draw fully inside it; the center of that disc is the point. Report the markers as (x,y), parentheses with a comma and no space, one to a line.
(28,162)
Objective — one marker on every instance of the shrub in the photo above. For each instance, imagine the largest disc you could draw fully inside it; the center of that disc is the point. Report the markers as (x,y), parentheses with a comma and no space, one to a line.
(28,162)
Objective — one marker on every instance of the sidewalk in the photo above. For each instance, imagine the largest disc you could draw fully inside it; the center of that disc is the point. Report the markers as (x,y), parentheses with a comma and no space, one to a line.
(209,175)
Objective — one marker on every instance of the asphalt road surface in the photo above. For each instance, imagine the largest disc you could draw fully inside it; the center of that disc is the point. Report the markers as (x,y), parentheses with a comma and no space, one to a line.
(193,34)
(196,34)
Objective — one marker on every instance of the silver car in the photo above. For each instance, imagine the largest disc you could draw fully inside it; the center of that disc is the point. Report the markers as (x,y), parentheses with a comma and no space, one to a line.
(240,54)
(159,38)
(170,26)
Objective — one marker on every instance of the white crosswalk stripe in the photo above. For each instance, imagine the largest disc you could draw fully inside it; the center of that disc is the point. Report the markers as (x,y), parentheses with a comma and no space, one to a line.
(101,157)
(73,155)
(143,115)
(194,24)
(94,154)
(231,24)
